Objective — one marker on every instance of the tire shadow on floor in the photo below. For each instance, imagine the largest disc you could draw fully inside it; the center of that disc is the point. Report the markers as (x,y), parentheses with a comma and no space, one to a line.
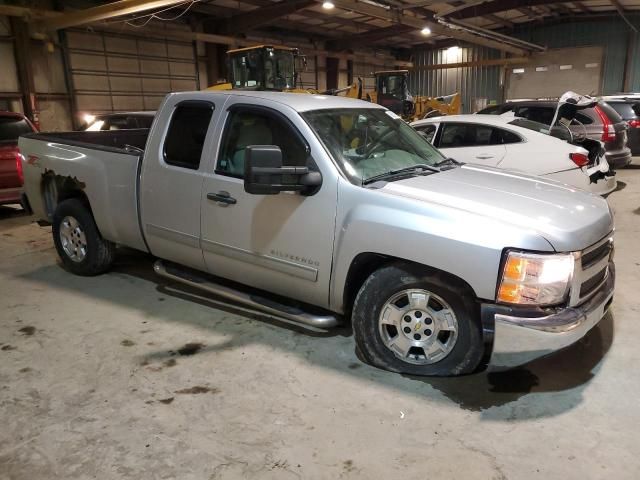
(568,370)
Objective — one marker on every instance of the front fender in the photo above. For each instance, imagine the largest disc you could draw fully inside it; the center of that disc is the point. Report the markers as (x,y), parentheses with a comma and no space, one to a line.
(461,243)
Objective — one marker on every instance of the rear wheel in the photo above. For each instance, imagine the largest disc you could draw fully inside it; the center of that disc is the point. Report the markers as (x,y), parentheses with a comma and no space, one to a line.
(408,320)
(78,242)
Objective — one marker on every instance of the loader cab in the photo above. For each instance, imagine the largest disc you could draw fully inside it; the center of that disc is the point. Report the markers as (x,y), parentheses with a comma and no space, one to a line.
(392,91)
(264,68)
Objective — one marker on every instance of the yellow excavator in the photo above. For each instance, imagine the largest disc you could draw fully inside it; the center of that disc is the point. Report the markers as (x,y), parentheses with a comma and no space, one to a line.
(273,67)
(392,91)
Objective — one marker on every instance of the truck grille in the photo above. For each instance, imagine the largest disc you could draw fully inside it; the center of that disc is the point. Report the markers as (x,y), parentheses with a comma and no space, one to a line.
(594,282)
(591,270)
(594,256)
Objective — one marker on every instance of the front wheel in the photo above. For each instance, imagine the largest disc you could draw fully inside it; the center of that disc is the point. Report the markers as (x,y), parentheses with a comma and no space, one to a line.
(411,321)
(78,242)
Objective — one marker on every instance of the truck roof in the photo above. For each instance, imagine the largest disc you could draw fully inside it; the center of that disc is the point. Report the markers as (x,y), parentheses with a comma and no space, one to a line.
(301,102)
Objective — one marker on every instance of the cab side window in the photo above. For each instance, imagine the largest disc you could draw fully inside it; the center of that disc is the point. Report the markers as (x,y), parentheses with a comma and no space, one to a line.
(247,127)
(187,132)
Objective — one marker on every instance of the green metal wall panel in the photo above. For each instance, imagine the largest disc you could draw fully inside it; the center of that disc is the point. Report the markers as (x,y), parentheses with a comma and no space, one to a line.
(476,84)
(483,82)
(613,34)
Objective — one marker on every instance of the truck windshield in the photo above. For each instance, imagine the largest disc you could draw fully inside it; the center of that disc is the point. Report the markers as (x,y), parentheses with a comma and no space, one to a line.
(368,142)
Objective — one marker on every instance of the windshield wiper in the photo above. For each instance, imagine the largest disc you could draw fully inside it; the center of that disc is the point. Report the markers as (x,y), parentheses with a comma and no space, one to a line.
(448,161)
(399,171)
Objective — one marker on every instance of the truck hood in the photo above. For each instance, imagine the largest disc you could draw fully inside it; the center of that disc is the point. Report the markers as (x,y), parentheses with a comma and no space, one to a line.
(568,218)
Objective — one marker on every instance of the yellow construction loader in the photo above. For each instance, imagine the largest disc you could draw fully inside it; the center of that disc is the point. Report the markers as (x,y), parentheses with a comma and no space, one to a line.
(273,67)
(392,91)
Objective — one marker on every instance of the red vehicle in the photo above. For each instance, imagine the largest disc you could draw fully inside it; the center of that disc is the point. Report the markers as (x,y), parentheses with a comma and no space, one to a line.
(12,125)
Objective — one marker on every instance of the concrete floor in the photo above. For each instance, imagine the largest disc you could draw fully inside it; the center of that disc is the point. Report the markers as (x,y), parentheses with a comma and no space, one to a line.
(120,376)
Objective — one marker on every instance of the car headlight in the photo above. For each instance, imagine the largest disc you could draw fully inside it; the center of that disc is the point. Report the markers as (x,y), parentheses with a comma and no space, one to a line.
(535,279)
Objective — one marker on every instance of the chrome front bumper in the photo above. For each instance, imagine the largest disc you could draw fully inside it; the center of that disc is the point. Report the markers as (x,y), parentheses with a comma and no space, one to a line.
(521,336)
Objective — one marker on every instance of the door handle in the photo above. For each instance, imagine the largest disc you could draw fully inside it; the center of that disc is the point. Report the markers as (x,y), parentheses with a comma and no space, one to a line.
(484,156)
(222,197)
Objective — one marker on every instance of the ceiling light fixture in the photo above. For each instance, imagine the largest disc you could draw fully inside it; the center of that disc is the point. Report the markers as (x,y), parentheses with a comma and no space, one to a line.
(425,31)
(328,5)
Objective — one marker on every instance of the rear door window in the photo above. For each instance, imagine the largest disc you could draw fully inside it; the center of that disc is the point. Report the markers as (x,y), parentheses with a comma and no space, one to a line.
(508,137)
(625,110)
(427,131)
(491,110)
(468,135)
(187,132)
(583,118)
(12,127)
(144,121)
(614,117)
(536,113)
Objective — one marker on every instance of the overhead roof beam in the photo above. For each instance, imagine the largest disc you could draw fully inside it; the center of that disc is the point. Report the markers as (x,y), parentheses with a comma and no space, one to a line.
(104,12)
(496,6)
(581,6)
(621,12)
(247,21)
(205,8)
(499,20)
(529,13)
(419,23)
(373,35)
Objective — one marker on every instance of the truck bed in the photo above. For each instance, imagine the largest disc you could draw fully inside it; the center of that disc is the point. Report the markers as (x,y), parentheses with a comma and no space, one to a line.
(104,165)
(108,140)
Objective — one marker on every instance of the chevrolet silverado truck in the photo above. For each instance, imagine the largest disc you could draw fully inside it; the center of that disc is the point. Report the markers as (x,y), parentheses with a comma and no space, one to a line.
(318,210)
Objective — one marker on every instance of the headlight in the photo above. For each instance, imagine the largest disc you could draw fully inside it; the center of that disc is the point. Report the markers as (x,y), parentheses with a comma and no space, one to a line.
(535,279)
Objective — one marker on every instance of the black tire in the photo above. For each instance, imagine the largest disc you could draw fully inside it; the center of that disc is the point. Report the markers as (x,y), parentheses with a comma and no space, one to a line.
(467,350)
(100,253)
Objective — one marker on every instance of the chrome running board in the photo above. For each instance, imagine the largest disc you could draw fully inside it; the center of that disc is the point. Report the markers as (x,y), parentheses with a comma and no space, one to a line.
(252,302)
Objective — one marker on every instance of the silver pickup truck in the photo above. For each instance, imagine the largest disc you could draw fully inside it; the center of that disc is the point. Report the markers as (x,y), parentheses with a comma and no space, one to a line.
(319,209)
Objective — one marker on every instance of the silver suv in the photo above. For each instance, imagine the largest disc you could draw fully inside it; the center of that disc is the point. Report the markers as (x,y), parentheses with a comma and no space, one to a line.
(599,123)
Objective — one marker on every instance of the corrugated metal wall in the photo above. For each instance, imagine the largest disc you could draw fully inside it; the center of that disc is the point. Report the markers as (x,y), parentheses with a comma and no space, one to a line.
(478,85)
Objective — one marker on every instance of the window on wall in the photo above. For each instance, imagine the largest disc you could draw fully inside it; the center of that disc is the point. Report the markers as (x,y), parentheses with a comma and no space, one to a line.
(187,131)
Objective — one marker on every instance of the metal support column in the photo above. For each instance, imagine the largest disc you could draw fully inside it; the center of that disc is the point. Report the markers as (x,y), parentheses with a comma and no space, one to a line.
(25,68)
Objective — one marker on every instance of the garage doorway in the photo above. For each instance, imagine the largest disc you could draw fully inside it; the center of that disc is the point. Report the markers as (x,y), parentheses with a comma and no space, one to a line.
(551,73)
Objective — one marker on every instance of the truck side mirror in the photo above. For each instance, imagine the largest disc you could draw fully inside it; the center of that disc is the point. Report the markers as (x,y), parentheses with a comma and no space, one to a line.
(265,175)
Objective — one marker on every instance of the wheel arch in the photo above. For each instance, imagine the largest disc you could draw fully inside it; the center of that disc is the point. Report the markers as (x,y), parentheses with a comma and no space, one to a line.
(365,263)
(57,188)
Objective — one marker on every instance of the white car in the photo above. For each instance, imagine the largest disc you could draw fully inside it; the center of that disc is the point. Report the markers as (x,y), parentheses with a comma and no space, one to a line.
(499,142)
